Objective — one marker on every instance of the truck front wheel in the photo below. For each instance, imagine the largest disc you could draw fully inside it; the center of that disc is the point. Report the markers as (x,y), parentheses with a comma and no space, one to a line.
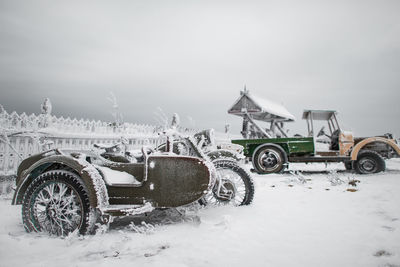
(369,161)
(269,159)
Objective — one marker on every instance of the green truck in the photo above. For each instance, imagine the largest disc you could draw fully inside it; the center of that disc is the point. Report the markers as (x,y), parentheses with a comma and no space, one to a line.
(271,150)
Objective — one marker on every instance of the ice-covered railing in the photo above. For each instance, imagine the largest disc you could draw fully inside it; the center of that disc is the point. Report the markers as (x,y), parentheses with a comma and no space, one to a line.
(51,123)
(22,135)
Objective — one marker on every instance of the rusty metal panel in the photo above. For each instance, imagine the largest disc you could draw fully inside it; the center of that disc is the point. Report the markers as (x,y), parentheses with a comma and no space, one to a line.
(175,181)
(172,181)
(346,143)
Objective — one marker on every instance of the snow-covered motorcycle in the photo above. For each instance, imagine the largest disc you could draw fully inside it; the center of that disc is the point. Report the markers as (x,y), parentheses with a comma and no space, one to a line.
(64,191)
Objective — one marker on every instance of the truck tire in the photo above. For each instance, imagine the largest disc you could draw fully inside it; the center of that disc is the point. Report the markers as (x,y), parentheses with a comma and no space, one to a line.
(57,203)
(269,159)
(369,161)
(348,165)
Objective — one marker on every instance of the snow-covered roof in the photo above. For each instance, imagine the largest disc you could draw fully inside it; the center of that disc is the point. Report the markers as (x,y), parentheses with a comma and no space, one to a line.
(259,108)
(319,115)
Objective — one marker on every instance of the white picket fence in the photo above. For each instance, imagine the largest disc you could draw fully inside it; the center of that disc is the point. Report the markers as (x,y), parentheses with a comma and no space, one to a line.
(22,136)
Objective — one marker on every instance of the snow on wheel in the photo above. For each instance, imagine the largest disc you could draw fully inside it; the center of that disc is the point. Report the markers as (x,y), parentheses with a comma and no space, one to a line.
(234,185)
(57,203)
(369,162)
(269,159)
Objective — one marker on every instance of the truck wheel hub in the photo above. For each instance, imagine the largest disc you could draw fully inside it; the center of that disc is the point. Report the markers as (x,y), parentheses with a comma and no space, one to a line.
(368,164)
(270,159)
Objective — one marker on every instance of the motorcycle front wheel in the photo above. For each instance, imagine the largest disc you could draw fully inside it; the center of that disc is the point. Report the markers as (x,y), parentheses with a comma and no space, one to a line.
(234,186)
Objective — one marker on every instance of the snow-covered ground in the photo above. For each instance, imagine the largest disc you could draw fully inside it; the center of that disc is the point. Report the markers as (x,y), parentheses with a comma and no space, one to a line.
(305,219)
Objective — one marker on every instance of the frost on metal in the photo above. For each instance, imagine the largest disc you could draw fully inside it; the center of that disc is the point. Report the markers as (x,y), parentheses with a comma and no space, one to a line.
(117,177)
(98,182)
(252,108)
(253,104)
(208,163)
(194,150)
(152,165)
(147,207)
(213,173)
(272,107)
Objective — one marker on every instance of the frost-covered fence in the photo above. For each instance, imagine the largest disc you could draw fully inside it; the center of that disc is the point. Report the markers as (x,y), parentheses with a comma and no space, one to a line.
(51,123)
(23,135)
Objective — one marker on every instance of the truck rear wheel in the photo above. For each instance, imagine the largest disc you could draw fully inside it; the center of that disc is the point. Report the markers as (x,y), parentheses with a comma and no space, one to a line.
(369,161)
(348,165)
(269,159)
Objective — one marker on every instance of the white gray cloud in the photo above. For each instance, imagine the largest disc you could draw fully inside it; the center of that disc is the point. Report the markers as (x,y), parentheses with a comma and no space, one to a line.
(193,57)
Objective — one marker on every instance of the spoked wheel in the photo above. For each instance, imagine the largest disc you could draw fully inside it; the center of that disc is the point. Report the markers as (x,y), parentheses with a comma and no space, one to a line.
(234,186)
(369,162)
(56,203)
(269,159)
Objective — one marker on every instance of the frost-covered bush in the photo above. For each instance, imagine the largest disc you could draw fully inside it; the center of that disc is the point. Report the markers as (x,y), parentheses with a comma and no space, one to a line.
(334,179)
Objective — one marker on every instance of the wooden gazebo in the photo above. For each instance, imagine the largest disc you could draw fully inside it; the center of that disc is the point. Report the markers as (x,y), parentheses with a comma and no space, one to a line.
(251,108)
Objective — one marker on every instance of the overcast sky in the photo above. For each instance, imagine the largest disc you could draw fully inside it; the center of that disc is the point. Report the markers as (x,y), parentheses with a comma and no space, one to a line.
(194,57)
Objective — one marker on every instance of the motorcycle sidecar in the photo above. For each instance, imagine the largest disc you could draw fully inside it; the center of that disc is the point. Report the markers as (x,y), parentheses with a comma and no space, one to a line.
(66,191)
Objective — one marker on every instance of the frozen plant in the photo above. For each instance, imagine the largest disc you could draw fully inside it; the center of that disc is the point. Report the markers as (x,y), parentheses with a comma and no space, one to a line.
(102,228)
(334,179)
(298,177)
(182,149)
(353,181)
(143,228)
(161,118)
(175,121)
(118,120)
(227,128)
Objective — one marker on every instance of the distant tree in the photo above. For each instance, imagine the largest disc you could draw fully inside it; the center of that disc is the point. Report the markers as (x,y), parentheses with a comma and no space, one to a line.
(175,121)
(118,119)
(227,127)
(161,118)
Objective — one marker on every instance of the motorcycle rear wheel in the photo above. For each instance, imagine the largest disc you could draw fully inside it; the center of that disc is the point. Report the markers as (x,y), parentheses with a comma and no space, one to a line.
(233,187)
(57,203)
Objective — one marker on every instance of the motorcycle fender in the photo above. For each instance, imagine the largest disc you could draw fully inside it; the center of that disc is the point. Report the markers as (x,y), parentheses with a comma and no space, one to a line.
(90,176)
